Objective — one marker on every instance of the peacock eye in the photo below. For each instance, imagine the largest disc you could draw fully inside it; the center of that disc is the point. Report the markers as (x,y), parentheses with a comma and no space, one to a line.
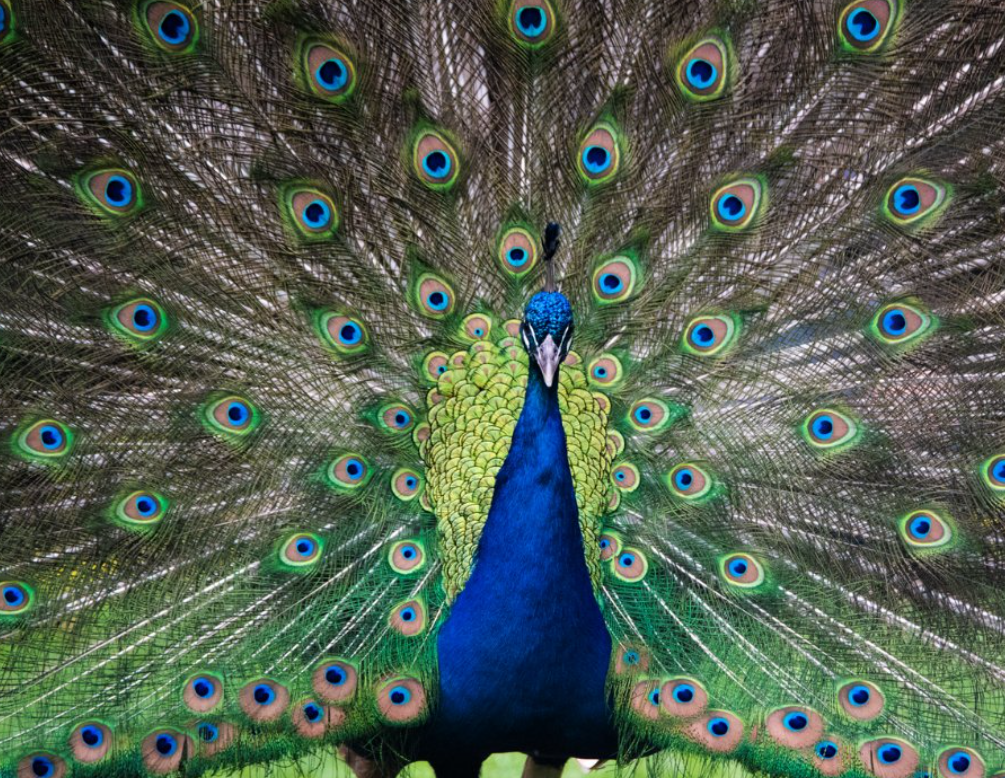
(301,550)
(112,191)
(164,750)
(518,250)
(172,26)
(476,327)
(860,700)
(828,429)
(866,24)
(683,697)
(614,281)
(826,749)
(885,752)
(993,473)
(401,700)
(625,476)
(311,212)
(407,556)
(646,699)
(435,160)
(599,155)
(717,731)
(701,74)
(41,765)
(736,205)
(912,199)
(650,415)
(45,440)
(90,742)
(349,471)
(630,565)
(532,22)
(408,618)
(899,323)
(795,727)
(140,320)
(202,692)
(6,21)
(925,530)
(232,416)
(141,509)
(435,297)
(330,73)
(264,700)
(16,598)
(689,481)
(396,418)
(610,544)
(346,335)
(605,371)
(335,680)
(434,365)
(406,484)
(960,762)
(741,570)
(710,335)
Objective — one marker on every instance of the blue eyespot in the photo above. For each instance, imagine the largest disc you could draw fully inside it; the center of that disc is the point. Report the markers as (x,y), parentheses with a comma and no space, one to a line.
(174,28)
(438,301)
(823,427)
(683,479)
(208,733)
(332,74)
(238,413)
(43,767)
(312,712)
(264,695)
(335,675)
(701,73)
(166,744)
(350,334)
(408,552)
(643,414)
(146,507)
(354,469)
(437,164)
(305,546)
(620,475)
(118,191)
(203,687)
(890,754)
(14,596)
(894,322)
(654,696)
(630,657)
(718,726)
(596,159)
(399,695)
(144,318)
(51,436)
(859,695)
(531,21)
(731,207)
(703,335)
(862,25)
(92,736)
(683,693)
(317,215)
(827,749)
(611,284)
(407,614)
(626,560)
(907,199)
(738,568)
(959,762)
(402,418)
(920,526)
(600,372)
(3,20)
(517,257)
(794,721)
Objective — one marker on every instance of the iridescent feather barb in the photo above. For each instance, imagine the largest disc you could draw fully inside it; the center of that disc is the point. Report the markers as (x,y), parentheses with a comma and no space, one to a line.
(297,455)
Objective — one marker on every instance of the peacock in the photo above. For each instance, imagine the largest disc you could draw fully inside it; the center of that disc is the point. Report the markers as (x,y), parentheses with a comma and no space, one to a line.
(426,380)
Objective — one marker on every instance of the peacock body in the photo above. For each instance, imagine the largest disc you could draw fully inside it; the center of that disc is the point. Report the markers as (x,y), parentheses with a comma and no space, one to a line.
(304,446)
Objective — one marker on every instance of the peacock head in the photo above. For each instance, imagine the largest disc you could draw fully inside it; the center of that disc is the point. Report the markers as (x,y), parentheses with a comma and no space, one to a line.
(546,330)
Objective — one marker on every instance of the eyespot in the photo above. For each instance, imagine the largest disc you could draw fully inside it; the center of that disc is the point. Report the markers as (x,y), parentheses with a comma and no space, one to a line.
(701,74)
(925,530)
(310,718)
(614,281)
(795,727)
(401,701)
(6,22)
(349,471)
(434,365)
(741,570)
(172,26)
(202,692)
(335,680)
(828,757)
(141,509)
(532,22)
(717,730)
(599,156)
(889,758)
(630,565)
(311,213)
(959,762)
(409,618)
(828,429)
(112,191)
(901,322)
(683,697)
(993,473)
(396,418)
(625,476)
(90,742)
(610,544)
(476,327)
(407,556)
(861,700)
(605,371)
(16,598)
(708,335)
(630,659)
(689,481)
(45,440)
(301,550)
(645,699)
(264,700)
(140,321)
(329,72)
(435,161)
(650,415)
(163,750)
(736,205)
(214,737)
(912,199)
(231,416)
(435,297)
(406,484)
(865,25)
(518,249)
(346,334)
(41,765)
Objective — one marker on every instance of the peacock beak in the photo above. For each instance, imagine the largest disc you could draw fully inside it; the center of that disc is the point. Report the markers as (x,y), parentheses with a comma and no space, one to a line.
(548,358)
